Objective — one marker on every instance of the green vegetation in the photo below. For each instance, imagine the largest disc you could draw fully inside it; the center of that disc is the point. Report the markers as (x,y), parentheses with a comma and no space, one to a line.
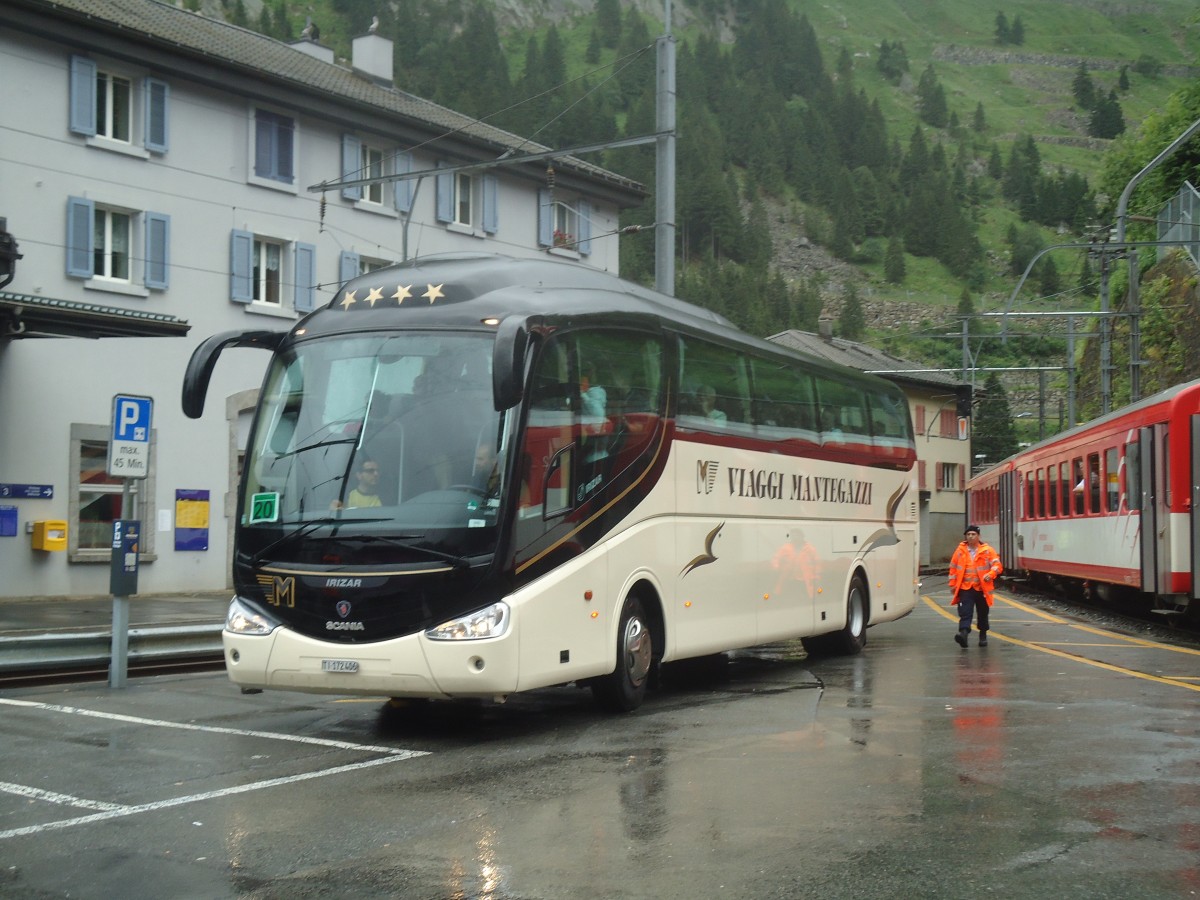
(928,150)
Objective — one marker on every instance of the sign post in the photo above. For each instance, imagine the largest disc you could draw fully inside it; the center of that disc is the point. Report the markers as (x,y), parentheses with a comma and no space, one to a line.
(128,458)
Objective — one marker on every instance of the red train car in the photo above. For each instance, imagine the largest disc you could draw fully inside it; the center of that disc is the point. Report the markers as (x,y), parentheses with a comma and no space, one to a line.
(1111,506)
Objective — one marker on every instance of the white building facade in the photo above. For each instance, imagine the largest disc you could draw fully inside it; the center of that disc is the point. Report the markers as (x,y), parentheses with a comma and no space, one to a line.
(156,174)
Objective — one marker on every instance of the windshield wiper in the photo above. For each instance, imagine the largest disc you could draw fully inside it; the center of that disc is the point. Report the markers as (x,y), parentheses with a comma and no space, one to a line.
(306,527)
(459,562)
(325,443)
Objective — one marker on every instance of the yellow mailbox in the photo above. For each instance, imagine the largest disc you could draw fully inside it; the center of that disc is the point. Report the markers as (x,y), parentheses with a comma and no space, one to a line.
(50,534)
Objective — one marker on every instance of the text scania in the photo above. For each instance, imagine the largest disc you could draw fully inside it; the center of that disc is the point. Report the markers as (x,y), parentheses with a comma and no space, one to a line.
(762,484)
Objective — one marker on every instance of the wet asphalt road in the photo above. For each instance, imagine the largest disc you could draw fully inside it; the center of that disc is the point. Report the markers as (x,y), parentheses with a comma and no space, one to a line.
(916,768)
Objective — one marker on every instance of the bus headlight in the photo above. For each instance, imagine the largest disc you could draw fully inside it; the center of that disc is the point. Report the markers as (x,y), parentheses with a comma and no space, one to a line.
(485,623)
(241,619)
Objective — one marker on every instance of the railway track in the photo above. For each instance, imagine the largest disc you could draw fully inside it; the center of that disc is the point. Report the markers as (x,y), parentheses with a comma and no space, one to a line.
(39,659)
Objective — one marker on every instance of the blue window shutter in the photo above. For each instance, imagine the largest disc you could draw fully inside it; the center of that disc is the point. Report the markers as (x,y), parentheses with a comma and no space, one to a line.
(348,265)
(306,278)
(402,164)
(80,214)
(83,95)
(584,219)
(157,94)
(262,143)
(491,213)
(241,266)
(351,164)
(445,198)
(545,219)
(158,250)
(287,139)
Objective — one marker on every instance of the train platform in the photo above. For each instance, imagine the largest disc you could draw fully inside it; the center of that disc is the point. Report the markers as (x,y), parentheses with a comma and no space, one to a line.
(60,614)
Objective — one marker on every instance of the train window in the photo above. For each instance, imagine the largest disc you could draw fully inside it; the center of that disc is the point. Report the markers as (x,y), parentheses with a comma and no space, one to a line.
(1112,491)
(1093,483)
(1133,476)
(1041,493)
(1051,492)
(1030,487)
(1064,486)
(1079,484)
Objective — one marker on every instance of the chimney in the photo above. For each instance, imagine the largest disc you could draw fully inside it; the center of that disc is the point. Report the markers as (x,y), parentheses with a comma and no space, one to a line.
(825,329)
(310,42)
(371,56)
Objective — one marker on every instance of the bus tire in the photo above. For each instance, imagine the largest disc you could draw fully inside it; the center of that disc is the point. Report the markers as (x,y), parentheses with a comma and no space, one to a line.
(625,689)
(853,637)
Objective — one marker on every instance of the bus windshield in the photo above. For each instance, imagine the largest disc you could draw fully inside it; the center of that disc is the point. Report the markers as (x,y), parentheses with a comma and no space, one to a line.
(396,430)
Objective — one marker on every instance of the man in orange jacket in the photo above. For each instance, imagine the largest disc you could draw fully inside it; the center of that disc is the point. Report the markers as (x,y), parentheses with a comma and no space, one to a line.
(973,571)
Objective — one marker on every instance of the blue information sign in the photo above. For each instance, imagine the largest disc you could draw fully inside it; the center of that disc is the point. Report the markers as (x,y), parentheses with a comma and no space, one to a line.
(28,491)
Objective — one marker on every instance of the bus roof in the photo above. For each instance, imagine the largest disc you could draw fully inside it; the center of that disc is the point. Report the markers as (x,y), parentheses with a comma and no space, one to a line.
(460,290)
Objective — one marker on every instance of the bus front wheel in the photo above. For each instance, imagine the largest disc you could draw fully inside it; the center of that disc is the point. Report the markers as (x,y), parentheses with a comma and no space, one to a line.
(625,689)
(853,637)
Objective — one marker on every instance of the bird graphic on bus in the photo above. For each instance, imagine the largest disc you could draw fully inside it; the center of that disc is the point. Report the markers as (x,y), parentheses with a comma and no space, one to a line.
(707,556)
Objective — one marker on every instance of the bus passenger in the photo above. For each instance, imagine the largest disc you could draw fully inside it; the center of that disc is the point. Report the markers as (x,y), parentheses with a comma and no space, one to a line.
(707,397)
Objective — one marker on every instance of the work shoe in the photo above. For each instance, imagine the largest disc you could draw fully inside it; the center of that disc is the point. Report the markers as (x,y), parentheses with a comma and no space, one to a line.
(961,637)
(983,640)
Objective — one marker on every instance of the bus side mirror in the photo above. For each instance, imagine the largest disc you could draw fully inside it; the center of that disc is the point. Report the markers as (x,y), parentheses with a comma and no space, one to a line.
(508,362)
(204,359)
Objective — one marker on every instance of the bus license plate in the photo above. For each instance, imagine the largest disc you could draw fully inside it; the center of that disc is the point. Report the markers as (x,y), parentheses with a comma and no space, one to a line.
(339,665)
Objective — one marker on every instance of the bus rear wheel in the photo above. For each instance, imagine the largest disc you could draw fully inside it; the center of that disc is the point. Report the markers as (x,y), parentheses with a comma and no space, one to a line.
(625,689)
(853,637)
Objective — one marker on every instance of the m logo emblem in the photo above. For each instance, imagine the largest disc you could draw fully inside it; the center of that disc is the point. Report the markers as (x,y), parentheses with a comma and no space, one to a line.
(283,592)
(706,475)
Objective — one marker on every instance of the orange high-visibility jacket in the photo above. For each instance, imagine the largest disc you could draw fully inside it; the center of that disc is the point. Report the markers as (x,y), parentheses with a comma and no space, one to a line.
(980,575)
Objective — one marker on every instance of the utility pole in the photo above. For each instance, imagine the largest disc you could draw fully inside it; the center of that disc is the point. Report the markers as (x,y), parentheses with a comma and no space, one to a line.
(1133,306)
(664,167)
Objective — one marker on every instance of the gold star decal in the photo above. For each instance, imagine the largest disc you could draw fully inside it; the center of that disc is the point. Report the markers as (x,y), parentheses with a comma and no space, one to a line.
(348,299)
(373,295)
(434,292)
(403,292)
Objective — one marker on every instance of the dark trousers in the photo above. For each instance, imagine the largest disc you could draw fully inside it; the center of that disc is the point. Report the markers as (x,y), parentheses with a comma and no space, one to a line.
(970,600)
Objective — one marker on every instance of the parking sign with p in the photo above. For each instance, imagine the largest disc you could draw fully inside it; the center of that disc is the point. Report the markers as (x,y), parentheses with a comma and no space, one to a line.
(129,445)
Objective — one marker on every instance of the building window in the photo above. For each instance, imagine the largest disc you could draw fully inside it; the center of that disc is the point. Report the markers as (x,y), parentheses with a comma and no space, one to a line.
(97,498)
(101,241)
(463,186)
(949,476)
(118,108)
(466,202)
(274,146)
(110,245)
(114,101)
(372,167)
(266,272)
(564,224)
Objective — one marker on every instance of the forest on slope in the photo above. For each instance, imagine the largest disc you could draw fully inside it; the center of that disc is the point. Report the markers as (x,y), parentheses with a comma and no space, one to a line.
(892,165)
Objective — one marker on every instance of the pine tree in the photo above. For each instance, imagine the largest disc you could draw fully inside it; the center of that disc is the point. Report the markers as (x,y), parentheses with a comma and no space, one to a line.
(993,434)
(851,323)
(1083,88)
(1003,32)
(894,267)
(608,22)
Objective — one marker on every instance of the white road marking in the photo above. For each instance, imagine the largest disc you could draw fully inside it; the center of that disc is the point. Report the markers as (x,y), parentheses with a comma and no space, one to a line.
(107,811)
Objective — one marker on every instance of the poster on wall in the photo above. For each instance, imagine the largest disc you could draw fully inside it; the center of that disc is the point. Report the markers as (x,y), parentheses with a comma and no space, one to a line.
(191,520)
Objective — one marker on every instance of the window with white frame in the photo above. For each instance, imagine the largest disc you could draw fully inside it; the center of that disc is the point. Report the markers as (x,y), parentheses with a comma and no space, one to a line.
(97,498)
(117,248)
(114,102)
(121,110)
(468,202)
(274,147)
(564,223)
(268,273)
(372,167)
(949,473)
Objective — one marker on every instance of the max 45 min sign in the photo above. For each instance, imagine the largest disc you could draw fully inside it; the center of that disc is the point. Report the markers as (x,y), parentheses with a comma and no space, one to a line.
(129,445)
